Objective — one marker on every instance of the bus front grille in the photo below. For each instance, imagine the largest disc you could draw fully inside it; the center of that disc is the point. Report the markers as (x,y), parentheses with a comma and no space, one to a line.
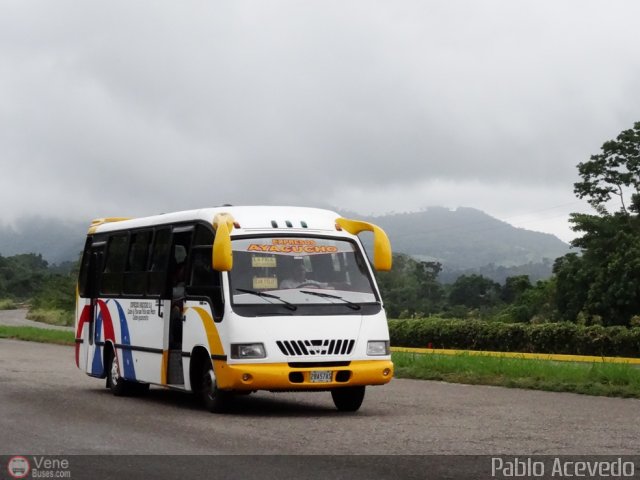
(312,348)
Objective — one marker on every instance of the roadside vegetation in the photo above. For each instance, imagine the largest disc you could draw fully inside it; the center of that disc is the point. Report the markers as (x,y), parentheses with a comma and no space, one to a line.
(552,338)
(605,379)
(41,335)
(8,304)
(48,291)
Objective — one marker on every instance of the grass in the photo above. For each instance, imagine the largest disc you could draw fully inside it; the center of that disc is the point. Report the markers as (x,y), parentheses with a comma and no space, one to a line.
(34,334)
(8,304)
(605,379)
(51,316)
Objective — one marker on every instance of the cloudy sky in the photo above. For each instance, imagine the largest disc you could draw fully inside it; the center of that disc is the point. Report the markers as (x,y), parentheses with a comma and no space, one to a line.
(134,108)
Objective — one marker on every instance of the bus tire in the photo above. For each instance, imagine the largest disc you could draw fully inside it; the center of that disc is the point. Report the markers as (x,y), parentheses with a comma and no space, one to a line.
(118,385)
(348,399)
(213,399)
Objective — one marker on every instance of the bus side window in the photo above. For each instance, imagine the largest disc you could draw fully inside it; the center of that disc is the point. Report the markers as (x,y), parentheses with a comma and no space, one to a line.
(204,281)
(91,268)
(158,262)
(115,263)
(202,273)
(83,277)
(203,235)
(135,278)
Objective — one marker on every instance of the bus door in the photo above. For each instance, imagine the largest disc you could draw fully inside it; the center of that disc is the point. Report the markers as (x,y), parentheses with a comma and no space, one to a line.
(177,272)
(90,354)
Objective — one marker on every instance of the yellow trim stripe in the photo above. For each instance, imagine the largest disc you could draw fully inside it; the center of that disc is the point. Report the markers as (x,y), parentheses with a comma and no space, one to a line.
(101,221)
(165,367)
(220,367)
(213,338)
(528,356)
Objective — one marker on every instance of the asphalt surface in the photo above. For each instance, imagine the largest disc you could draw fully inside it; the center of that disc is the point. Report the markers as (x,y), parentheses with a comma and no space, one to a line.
(17,318)
(49,407)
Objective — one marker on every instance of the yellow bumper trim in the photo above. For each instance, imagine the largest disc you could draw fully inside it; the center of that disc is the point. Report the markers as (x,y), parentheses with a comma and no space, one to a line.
(276,376)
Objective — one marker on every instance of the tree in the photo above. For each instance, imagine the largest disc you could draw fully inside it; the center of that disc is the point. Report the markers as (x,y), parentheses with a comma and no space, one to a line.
(411,287)
(514,287)
(474,291)
(572,285)
(613,173)
(429,289)
(57,292)
(22,275)
(536,303)
(605,281)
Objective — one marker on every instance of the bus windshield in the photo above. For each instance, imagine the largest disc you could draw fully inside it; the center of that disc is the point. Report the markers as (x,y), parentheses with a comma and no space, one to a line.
(292,271)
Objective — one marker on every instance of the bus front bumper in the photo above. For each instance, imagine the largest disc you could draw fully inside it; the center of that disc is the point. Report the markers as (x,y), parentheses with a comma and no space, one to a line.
(282,376)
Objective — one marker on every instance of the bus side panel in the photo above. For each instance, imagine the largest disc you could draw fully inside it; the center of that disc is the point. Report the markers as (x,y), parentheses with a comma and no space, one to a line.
(82,332)
(199,330)
(139,331)
(102,328)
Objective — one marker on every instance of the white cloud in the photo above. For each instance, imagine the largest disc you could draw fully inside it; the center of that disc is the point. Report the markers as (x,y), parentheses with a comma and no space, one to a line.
(134,108)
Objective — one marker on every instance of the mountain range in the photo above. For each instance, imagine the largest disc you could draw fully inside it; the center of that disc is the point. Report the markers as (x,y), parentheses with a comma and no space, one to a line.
(464,240)
(467,240)
(57,241)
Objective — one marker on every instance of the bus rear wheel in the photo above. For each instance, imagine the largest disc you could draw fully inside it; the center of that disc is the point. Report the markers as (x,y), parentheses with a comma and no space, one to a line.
(213,399)
(348,399)
(118,385)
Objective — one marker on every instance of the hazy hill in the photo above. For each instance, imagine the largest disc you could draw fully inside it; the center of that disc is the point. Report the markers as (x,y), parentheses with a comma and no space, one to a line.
(467,240)
(58,241)
(463,240)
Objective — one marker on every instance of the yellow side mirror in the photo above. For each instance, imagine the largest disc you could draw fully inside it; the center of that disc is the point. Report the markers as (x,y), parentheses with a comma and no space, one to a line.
(382,258)
(222,257)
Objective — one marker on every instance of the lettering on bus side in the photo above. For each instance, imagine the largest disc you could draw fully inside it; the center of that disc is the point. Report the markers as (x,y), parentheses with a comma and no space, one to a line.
(141,311)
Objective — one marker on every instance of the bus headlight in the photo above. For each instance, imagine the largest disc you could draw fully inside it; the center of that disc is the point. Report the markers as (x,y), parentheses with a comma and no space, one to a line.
(248,350)
(378,347)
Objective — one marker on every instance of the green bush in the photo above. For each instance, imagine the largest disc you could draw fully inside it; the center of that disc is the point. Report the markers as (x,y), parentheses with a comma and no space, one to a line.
(56,293)
(51,316)
(8,304)
(560,338)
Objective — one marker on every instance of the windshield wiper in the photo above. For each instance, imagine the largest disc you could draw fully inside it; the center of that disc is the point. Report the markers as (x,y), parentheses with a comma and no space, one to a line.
(353,306)
(288,305)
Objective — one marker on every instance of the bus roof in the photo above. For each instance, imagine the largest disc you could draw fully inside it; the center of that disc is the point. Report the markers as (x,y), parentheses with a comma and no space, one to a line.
(245,217)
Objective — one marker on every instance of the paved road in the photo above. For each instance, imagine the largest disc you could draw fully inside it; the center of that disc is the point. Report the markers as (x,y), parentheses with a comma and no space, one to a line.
(18,318)
(48,406)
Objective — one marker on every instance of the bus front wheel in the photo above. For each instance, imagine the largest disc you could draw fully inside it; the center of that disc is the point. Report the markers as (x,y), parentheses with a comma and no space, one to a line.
(348,399)
(214,399)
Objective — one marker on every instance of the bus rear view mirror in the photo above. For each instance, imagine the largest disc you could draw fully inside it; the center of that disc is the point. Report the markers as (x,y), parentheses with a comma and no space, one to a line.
(382,258)
(222,258)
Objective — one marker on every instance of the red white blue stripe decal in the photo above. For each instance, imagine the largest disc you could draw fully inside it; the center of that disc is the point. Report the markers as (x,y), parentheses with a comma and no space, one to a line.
(105,322)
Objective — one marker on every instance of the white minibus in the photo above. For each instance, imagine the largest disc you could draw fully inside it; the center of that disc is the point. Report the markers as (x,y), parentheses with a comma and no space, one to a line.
(230,300)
